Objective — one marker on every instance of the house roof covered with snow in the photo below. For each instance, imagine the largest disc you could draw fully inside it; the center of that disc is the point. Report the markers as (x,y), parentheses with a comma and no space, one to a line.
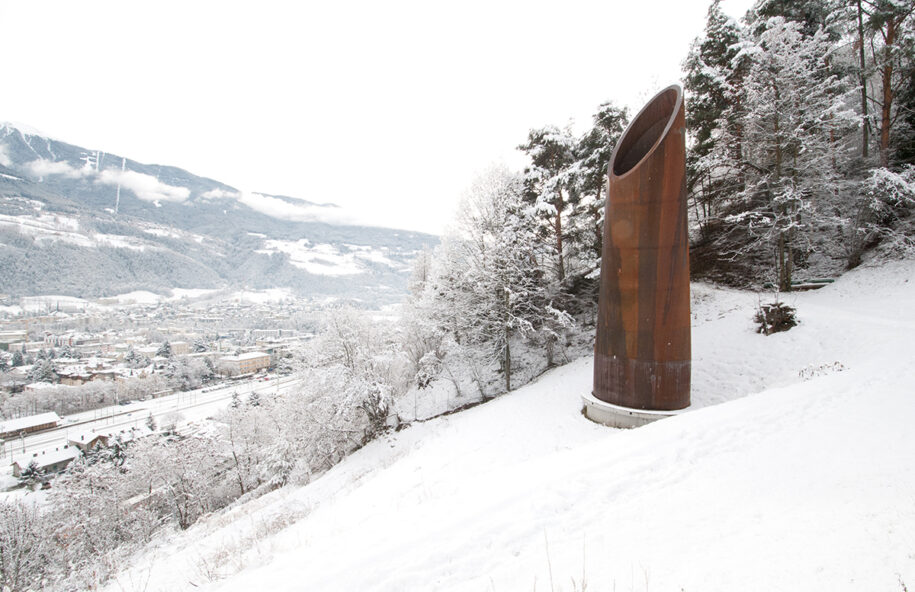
(23,423)
(48,458)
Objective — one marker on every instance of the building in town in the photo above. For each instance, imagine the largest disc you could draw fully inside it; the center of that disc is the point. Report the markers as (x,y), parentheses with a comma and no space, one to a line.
(244,363)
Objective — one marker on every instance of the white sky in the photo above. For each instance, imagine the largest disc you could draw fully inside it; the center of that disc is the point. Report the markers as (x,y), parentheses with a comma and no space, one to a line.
(386,108)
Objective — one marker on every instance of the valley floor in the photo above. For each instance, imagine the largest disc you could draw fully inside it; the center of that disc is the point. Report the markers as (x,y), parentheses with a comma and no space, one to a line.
(794,470)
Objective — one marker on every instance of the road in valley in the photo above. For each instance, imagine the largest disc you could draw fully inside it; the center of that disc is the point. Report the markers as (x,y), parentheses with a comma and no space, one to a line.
(179,408)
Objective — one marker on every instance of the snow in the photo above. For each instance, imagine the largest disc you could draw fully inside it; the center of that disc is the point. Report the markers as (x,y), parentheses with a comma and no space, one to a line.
(326,259)
(246,356)
(22,128)
(137,297)
(146,297)
(119,241)
(191,293)
(778,478)
(263,296)
(50,302)
(47,458)
(161,231)
(21,423)
(55,227)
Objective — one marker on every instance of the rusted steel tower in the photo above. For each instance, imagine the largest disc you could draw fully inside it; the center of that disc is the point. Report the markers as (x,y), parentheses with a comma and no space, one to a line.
(642,351)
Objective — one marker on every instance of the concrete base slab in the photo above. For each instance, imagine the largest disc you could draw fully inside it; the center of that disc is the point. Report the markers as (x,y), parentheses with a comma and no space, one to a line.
(615,416)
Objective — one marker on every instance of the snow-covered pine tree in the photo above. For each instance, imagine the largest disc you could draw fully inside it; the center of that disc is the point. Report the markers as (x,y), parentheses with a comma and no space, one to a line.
(793,117)
(254,399)
(589,176)
(548,185)
(165,350)
(32,475)
(712,80)
(42,371)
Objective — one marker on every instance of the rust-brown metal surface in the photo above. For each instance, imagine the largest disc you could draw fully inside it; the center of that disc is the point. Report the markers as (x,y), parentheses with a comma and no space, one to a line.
(642,351)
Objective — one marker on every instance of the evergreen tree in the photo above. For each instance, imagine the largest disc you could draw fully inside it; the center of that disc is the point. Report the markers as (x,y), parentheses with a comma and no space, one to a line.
(210,369)
(254,399)
(794,112)
(811,15)
(548,186)
(42,371)
(589,172)
(17,359)
(713,83)
(904,142)
(165,350)
(887,24)
(151,423)
(32,475)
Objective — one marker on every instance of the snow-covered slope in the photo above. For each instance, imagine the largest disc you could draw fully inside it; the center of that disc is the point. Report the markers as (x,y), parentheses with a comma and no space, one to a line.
(795,471)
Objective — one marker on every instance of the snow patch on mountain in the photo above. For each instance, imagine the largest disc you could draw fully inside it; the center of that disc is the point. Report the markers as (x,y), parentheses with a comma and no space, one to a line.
(327,259)
(263,296)
(47,228)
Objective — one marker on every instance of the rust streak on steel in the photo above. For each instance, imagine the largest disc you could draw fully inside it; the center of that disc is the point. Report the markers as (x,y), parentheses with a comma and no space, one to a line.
(642,351)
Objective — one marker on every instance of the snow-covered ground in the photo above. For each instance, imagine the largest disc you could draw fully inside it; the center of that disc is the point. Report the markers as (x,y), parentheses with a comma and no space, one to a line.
(795,470)
(263,296)
(327,259)
(146,297)
(57,227)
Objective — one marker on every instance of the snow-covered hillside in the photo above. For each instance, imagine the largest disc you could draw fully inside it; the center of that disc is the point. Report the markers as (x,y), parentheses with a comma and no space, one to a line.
(794,470)
(87,223)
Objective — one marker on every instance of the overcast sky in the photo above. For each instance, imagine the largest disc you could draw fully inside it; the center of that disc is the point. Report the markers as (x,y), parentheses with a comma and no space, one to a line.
(388,109)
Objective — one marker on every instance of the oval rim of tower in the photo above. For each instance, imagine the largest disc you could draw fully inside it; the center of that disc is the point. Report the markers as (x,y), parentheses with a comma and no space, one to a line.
(678,102)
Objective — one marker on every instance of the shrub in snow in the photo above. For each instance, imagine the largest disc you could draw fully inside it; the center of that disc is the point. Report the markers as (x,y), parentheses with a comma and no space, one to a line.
(813,371)
(23,547)
(775,317)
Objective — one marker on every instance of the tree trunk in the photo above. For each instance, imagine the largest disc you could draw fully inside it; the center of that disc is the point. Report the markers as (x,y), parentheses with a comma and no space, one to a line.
(885,109)
(783,283)
(863,65)
(508,349)
(508,363)
(560,271)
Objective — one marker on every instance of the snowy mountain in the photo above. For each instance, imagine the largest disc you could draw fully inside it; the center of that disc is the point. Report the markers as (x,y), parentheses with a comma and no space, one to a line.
(793,470)
(81,222)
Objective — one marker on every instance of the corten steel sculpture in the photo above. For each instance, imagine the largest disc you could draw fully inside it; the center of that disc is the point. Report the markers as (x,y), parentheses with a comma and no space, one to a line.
(642,352)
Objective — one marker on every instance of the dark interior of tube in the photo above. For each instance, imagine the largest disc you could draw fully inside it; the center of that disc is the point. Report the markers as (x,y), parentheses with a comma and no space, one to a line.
(645,131)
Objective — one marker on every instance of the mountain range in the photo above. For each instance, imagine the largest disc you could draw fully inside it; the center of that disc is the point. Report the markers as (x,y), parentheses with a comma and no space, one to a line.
(86,223)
